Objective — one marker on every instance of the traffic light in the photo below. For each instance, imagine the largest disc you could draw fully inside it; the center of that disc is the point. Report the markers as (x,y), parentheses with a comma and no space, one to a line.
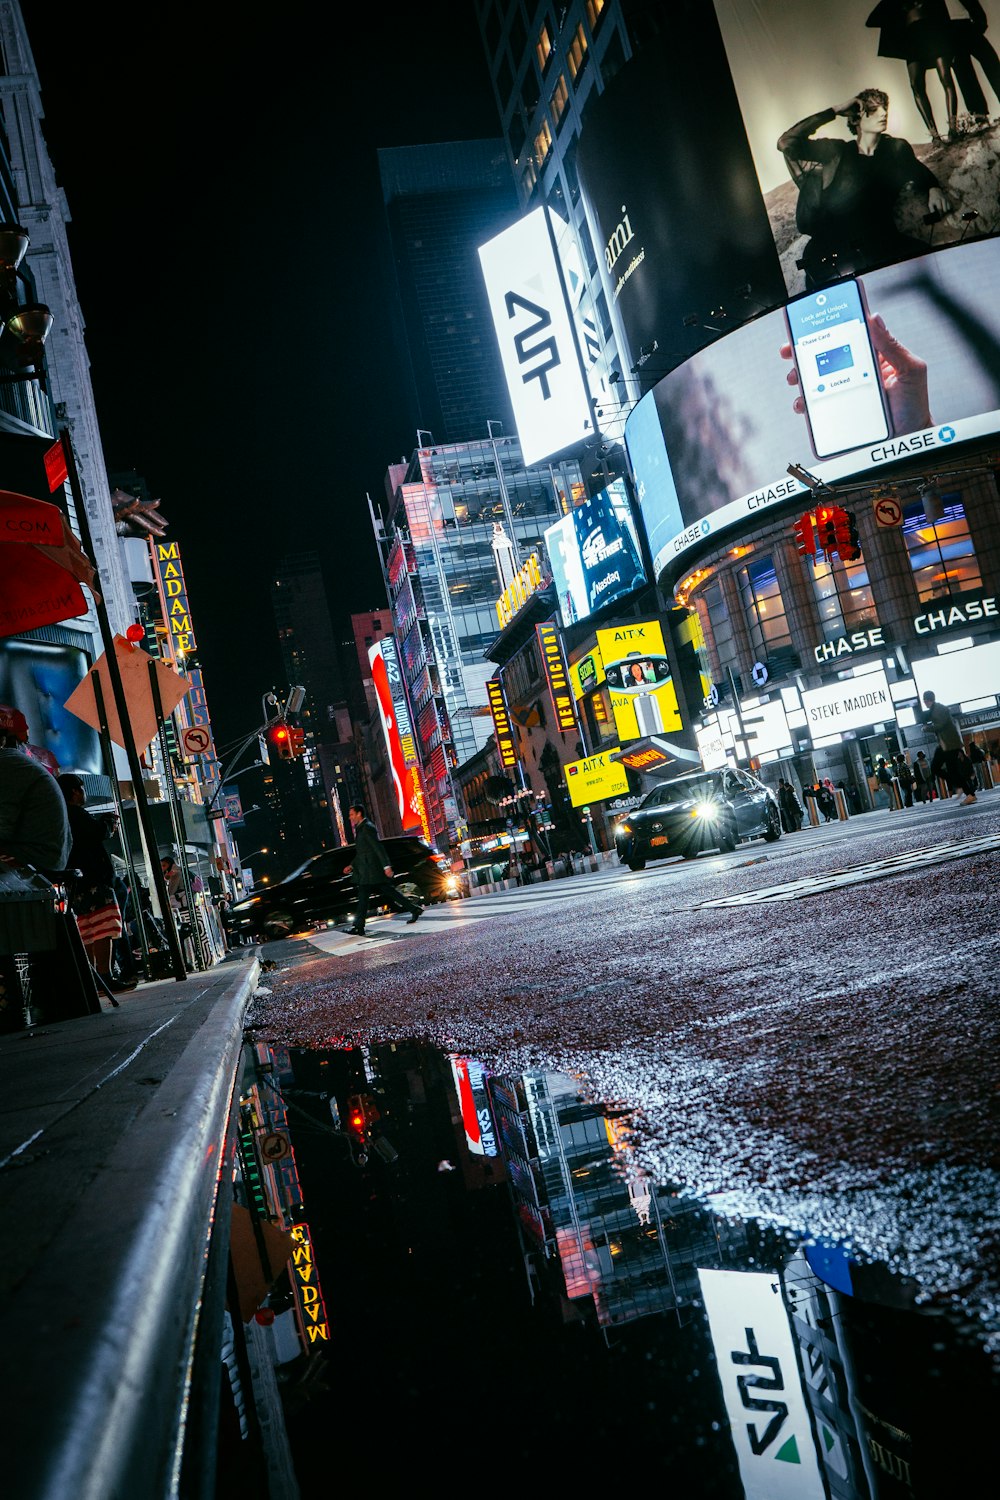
(805,535)
(281,738)
(297,740)
(848,543)
(826,526)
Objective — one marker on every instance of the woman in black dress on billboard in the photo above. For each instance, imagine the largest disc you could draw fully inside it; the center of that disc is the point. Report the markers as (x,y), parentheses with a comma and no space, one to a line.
(919,32)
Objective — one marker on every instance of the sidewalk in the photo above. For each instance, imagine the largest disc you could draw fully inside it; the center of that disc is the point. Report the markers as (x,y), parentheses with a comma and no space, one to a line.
(113,1133)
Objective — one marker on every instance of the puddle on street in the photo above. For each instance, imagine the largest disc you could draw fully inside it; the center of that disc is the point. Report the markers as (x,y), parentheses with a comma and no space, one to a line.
(483,1278)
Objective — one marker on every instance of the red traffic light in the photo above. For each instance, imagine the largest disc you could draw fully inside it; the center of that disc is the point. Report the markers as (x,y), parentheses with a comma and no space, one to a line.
(135,633)
(848,543)
(280,737)
(297,740)
(826,526)
(805,536)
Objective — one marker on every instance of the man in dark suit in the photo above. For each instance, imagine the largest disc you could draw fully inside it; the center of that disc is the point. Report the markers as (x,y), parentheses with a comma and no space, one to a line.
(372,871)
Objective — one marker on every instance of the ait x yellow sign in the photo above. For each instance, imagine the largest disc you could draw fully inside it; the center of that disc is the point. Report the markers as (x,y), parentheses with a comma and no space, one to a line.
(596,778)
(643,696)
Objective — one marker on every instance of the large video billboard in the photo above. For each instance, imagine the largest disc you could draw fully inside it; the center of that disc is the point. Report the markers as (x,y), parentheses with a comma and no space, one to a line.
(903,362)
(387,679)
(868,125)
(537,348)
(594,554)
(672,194)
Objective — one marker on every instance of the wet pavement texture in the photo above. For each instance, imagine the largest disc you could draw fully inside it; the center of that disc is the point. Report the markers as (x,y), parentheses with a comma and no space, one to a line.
(799,1090)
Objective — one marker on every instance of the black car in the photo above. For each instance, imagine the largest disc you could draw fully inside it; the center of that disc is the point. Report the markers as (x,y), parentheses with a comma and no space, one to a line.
(320,891)
(705,810)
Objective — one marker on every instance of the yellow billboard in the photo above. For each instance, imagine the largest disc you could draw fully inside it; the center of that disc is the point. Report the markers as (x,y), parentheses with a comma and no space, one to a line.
(643,696)
(595,778)
(586,673)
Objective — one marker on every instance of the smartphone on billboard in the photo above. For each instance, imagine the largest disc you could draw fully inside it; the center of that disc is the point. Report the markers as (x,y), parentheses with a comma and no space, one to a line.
(838,370)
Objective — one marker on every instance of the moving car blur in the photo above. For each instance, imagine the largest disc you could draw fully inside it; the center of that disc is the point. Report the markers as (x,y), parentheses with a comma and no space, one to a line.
(322,891)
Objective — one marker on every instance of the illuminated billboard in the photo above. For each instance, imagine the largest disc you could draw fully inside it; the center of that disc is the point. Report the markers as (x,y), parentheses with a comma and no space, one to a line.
(594,554)
(595,778)
(537,348)
(560,693)
(504,734)
(856,166)
(387,679)
(643,696)
(710,445)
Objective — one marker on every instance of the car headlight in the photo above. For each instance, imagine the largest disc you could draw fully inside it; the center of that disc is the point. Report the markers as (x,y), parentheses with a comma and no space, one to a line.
(707,810)
(624,828)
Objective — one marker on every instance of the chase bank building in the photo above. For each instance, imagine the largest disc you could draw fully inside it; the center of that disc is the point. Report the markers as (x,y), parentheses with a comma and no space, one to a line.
(788,348)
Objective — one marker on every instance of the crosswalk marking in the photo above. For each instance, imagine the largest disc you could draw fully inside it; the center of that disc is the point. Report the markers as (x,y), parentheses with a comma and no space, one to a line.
(897,864)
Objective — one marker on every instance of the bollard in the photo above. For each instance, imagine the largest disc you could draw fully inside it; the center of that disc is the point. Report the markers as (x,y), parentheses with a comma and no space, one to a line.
(896,794)
(812,808)
(841,800)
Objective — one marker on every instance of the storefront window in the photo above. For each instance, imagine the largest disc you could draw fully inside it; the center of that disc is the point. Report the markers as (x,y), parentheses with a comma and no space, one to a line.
(764,612)
(942,556)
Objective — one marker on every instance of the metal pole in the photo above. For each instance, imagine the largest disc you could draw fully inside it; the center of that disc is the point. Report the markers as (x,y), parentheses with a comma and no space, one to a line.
(176,816)
(121,704)
(504,496)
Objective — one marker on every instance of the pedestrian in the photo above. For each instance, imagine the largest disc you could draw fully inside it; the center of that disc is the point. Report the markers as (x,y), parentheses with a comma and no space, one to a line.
(977,760)
(923,791)
(34,831)
(825,800)
(372,871)
(792,811)
(953,760)
(883,785)
(34,821)
(173,880)
(905,778)
(92,894)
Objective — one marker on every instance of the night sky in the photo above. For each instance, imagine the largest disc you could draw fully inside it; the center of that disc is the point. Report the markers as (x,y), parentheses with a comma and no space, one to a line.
(221,173)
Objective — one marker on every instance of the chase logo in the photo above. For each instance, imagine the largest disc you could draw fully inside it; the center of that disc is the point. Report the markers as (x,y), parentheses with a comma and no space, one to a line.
(946,434)
(706,527)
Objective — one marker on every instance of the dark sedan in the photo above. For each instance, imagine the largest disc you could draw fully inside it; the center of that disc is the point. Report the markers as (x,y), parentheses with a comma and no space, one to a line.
(320,891)
(705,810)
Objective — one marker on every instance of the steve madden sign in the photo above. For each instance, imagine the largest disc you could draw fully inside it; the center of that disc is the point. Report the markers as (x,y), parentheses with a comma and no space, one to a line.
(851,704)
(958,612)
(847,645)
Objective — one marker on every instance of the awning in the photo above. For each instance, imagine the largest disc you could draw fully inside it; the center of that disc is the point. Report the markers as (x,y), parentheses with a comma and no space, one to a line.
(41,566)
(655,756)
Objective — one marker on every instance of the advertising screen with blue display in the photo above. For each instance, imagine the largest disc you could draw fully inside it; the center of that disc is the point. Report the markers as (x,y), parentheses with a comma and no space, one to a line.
(710,445)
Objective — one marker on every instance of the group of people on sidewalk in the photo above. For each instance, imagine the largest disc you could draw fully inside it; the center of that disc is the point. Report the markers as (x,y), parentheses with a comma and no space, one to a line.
(46,826)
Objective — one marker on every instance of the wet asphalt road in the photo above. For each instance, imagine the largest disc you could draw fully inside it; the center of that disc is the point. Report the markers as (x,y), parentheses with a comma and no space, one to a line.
(822,1053)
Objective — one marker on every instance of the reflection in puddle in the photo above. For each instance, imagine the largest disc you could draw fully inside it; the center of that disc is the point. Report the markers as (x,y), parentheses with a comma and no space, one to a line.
(481,1264)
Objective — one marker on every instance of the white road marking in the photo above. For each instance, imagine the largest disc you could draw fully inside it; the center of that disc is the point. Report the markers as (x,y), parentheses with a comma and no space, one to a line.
(897,864)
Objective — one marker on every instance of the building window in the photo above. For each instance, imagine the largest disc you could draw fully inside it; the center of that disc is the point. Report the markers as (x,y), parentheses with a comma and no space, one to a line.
(717,628)
(559,101)
(529,179)
(764,612)
(531,92)
(576,53)
(595,9)
(543,143)
(844,598)
(543,48)
(941,553)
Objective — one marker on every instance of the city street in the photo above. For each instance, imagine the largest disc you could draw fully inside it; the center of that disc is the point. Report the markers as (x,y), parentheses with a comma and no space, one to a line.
(804,1033)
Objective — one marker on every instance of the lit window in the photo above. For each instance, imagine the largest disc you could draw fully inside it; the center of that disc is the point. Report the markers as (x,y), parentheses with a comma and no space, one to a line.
(764,612)
(595,9)
(543,143)
(844,598)
(576,52)
(543,47)
(942,556)
(558,101)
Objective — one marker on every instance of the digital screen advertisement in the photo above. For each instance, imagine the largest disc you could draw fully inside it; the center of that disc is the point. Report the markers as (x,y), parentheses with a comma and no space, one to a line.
(596,778)
(903,362)
(643,696)
(594,555)
(387,680)
(866,152)
(535,337)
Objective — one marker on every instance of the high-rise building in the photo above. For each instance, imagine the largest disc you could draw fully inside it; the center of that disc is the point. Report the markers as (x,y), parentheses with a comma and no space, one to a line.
(442,202)
(546,64)
(451,513)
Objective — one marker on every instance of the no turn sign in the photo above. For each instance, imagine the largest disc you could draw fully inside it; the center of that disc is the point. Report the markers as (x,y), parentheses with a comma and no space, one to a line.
(196,740)
(888,511)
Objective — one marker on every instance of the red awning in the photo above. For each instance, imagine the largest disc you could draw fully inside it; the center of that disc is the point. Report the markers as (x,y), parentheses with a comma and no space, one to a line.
(41,566)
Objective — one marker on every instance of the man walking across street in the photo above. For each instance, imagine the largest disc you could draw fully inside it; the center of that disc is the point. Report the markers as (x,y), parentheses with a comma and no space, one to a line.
(373,872)
(950,754)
